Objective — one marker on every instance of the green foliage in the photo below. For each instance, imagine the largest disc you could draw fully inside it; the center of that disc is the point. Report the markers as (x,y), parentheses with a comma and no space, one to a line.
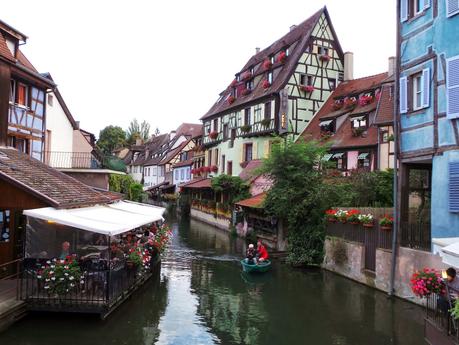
(126,185)
(234,186)
(137,131)
(299,196)
(111,138)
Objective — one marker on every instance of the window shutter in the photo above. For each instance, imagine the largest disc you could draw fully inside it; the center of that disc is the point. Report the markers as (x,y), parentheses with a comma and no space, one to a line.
(403,95)
(453,187)
(403,10)
(452,7)
(425,84)
(452,87)
(426,4)
(254,150)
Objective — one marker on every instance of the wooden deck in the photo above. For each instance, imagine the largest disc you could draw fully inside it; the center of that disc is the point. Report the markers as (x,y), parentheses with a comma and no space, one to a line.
(11,309)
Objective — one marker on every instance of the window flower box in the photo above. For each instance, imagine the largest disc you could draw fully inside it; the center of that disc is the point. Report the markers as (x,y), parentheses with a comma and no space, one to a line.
(282,57)
(366,220)
(365,100)
(213,135)
(386,223)
(307,88)
(341,215)
(338,104)
(246,75)
(353,217)
(267,64)
(233,83)
(324,57)
(266,84)
(246,128)
(357,132)
(330,216)
(245,92)
(350,102)
(214,168)
(231,99)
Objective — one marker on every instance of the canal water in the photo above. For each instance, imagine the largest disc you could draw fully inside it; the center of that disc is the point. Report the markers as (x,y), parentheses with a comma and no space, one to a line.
(201,297)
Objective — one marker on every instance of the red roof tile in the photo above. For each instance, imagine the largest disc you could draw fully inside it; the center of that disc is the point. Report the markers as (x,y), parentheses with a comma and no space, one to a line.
(253,202)
(4,50)
(191,130)
(25,62)
(48,184)
(183,164)
(199,183)
(297,40)
(385,112)
(248,172)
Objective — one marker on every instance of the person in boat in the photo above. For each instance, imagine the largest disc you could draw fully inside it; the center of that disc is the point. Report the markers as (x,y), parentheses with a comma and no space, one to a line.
(262,252)
(445,302)
(250,254)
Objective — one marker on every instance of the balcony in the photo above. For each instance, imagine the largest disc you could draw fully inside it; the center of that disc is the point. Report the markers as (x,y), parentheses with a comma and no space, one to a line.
(82,160)
(259,128)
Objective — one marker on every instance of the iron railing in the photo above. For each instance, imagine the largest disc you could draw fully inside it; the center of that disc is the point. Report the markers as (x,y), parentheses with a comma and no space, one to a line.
(10,277)
(83,160)
(416,236)
(439,316)
(358,233)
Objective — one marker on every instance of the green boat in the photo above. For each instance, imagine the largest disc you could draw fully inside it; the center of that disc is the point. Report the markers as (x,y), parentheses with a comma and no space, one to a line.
(262,267)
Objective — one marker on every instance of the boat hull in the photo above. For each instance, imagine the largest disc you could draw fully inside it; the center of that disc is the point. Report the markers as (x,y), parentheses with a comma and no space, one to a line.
(262,267)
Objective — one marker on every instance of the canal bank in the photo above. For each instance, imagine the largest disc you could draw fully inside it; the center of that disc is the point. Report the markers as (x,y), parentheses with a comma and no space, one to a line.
(201,297)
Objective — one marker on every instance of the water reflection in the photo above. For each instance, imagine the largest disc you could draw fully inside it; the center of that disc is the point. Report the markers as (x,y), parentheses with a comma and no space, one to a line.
(202,297)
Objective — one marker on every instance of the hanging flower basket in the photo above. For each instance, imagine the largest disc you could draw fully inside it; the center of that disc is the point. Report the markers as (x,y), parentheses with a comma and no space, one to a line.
(245,92)
(213,135)
(324,58)
(246,76)
(266,84)
(426,282)
(267,64)
(214,168)
(307,88)
(386,222)
(231,99)
(282,57)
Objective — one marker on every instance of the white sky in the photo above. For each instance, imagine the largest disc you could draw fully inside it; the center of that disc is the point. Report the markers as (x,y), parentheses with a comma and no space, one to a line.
(167,61)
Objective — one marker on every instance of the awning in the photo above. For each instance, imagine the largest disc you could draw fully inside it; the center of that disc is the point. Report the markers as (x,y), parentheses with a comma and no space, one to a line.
(450,254)
(363,155)
(109,219)
(327,157)
(325,123)
(338,155)
(357,118)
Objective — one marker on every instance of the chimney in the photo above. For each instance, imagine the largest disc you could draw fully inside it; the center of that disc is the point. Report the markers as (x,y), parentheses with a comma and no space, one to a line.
(391,70)
(348,66)
(257,50)
(77,124)
(293,27)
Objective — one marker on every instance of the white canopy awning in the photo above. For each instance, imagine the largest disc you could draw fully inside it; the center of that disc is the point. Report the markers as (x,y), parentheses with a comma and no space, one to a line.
(338,155)
(109,219)
(449,252)
(325,122)
(327,156)
(363,155)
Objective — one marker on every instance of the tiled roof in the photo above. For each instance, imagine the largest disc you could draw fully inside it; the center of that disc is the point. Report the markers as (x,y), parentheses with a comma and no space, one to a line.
(198,183)
(253,202)
(385,112)
(191,130)
(248,172)
(4,50)
(48,184)
(343,137)
(296,40)
(183,164)
(25,62)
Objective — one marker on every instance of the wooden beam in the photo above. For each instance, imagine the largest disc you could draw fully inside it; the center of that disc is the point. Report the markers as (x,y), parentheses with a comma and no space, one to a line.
(5,77)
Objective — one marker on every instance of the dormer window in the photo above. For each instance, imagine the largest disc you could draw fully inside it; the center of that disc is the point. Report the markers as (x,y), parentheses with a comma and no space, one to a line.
(249,85)
(270,78)
(238,77)
(359,122)
(271,58)
(306,80)
(252,70)
(327,126)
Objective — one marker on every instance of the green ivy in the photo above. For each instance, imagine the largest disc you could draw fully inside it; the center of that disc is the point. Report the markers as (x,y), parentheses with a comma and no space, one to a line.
(126,185)
(234,186)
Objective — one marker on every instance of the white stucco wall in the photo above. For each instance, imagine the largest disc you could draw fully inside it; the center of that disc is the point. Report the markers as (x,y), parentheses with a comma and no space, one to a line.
(61,138)
(181,175)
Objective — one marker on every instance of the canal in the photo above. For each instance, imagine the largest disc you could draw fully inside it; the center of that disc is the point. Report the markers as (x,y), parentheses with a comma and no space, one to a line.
(201,297)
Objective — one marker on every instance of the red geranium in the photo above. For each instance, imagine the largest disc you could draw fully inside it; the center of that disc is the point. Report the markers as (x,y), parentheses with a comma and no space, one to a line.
(213,135)
(267,64)
(246,75)
(231,99)
(234,82)
(282,57)
(364,100)
(214,168)
(266,84)
(307,88)
(324,57)
(245,92)
(426,282)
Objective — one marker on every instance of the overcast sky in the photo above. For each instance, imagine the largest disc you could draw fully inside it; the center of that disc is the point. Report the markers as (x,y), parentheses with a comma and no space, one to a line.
(167,61)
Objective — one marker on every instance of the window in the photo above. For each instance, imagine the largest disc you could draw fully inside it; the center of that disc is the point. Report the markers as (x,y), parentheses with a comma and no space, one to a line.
(247,116)
(306,79)
(340,159)
(50,100)
(248,152)
(267,110)
(416,81)
(252,70)
(452,7)
(225,132)
(216,125)
(287,51)
(209,157)
(270,77)
(229,168)
(176,174)
(20,144)
(453,187)
(182,174)
(271,58)
(332,83)
(452,87)
(323,51)
(384,135)
(238,77)
(5,225)
(12,91)
(359,121)
(411,8)
(363,160)
(249,85)
(327,126)
(21,98)
(223,163)
(216,157)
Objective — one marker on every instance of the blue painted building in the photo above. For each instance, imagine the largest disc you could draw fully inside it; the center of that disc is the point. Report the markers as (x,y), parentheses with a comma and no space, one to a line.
(428,51)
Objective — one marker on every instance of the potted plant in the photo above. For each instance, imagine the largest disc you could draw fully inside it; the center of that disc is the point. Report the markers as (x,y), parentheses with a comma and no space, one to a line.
(214,168)
(282,57)
(246,128)
(324,57)
(341,215)
(61,276)
(330,215)
(353,217)
(213,135)
(134,259)
(231,99)
(307,88)
(365,99)
(245,91)
(426,282)
(267,64)
(265,122)
(206,169)
(246,75)
(366,220)
(266,84)
(350,102)
(386,222)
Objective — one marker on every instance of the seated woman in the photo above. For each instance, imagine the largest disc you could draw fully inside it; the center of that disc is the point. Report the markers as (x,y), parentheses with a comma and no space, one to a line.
(262,253)
(250,254)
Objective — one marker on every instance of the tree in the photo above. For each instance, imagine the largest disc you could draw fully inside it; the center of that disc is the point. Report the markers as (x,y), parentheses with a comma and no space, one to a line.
(111,138)
(126,185)
(138,131)
(233,186)
(298,197)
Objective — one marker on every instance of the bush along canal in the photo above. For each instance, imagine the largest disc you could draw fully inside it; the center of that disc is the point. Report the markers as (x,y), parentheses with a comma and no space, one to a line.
(201,296)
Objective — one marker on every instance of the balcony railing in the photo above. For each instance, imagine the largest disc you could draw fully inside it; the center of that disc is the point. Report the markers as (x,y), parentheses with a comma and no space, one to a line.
(258,128)
(440,326)
(416,235)
(82,160)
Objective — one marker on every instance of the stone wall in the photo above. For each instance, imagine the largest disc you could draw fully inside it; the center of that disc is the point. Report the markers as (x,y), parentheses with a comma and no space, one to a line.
(408,261)
(221,223)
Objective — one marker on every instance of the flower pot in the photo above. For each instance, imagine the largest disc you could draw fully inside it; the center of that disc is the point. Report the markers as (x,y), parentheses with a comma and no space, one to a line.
(354,223)
(368,225)
(332,220)
(386,227)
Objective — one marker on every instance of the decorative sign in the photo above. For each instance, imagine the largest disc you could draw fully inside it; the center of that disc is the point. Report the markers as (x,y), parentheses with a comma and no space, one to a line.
(283,111)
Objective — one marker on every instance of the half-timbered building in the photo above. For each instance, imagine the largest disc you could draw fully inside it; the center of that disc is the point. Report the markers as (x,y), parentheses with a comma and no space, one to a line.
(278,91)
(22,96)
